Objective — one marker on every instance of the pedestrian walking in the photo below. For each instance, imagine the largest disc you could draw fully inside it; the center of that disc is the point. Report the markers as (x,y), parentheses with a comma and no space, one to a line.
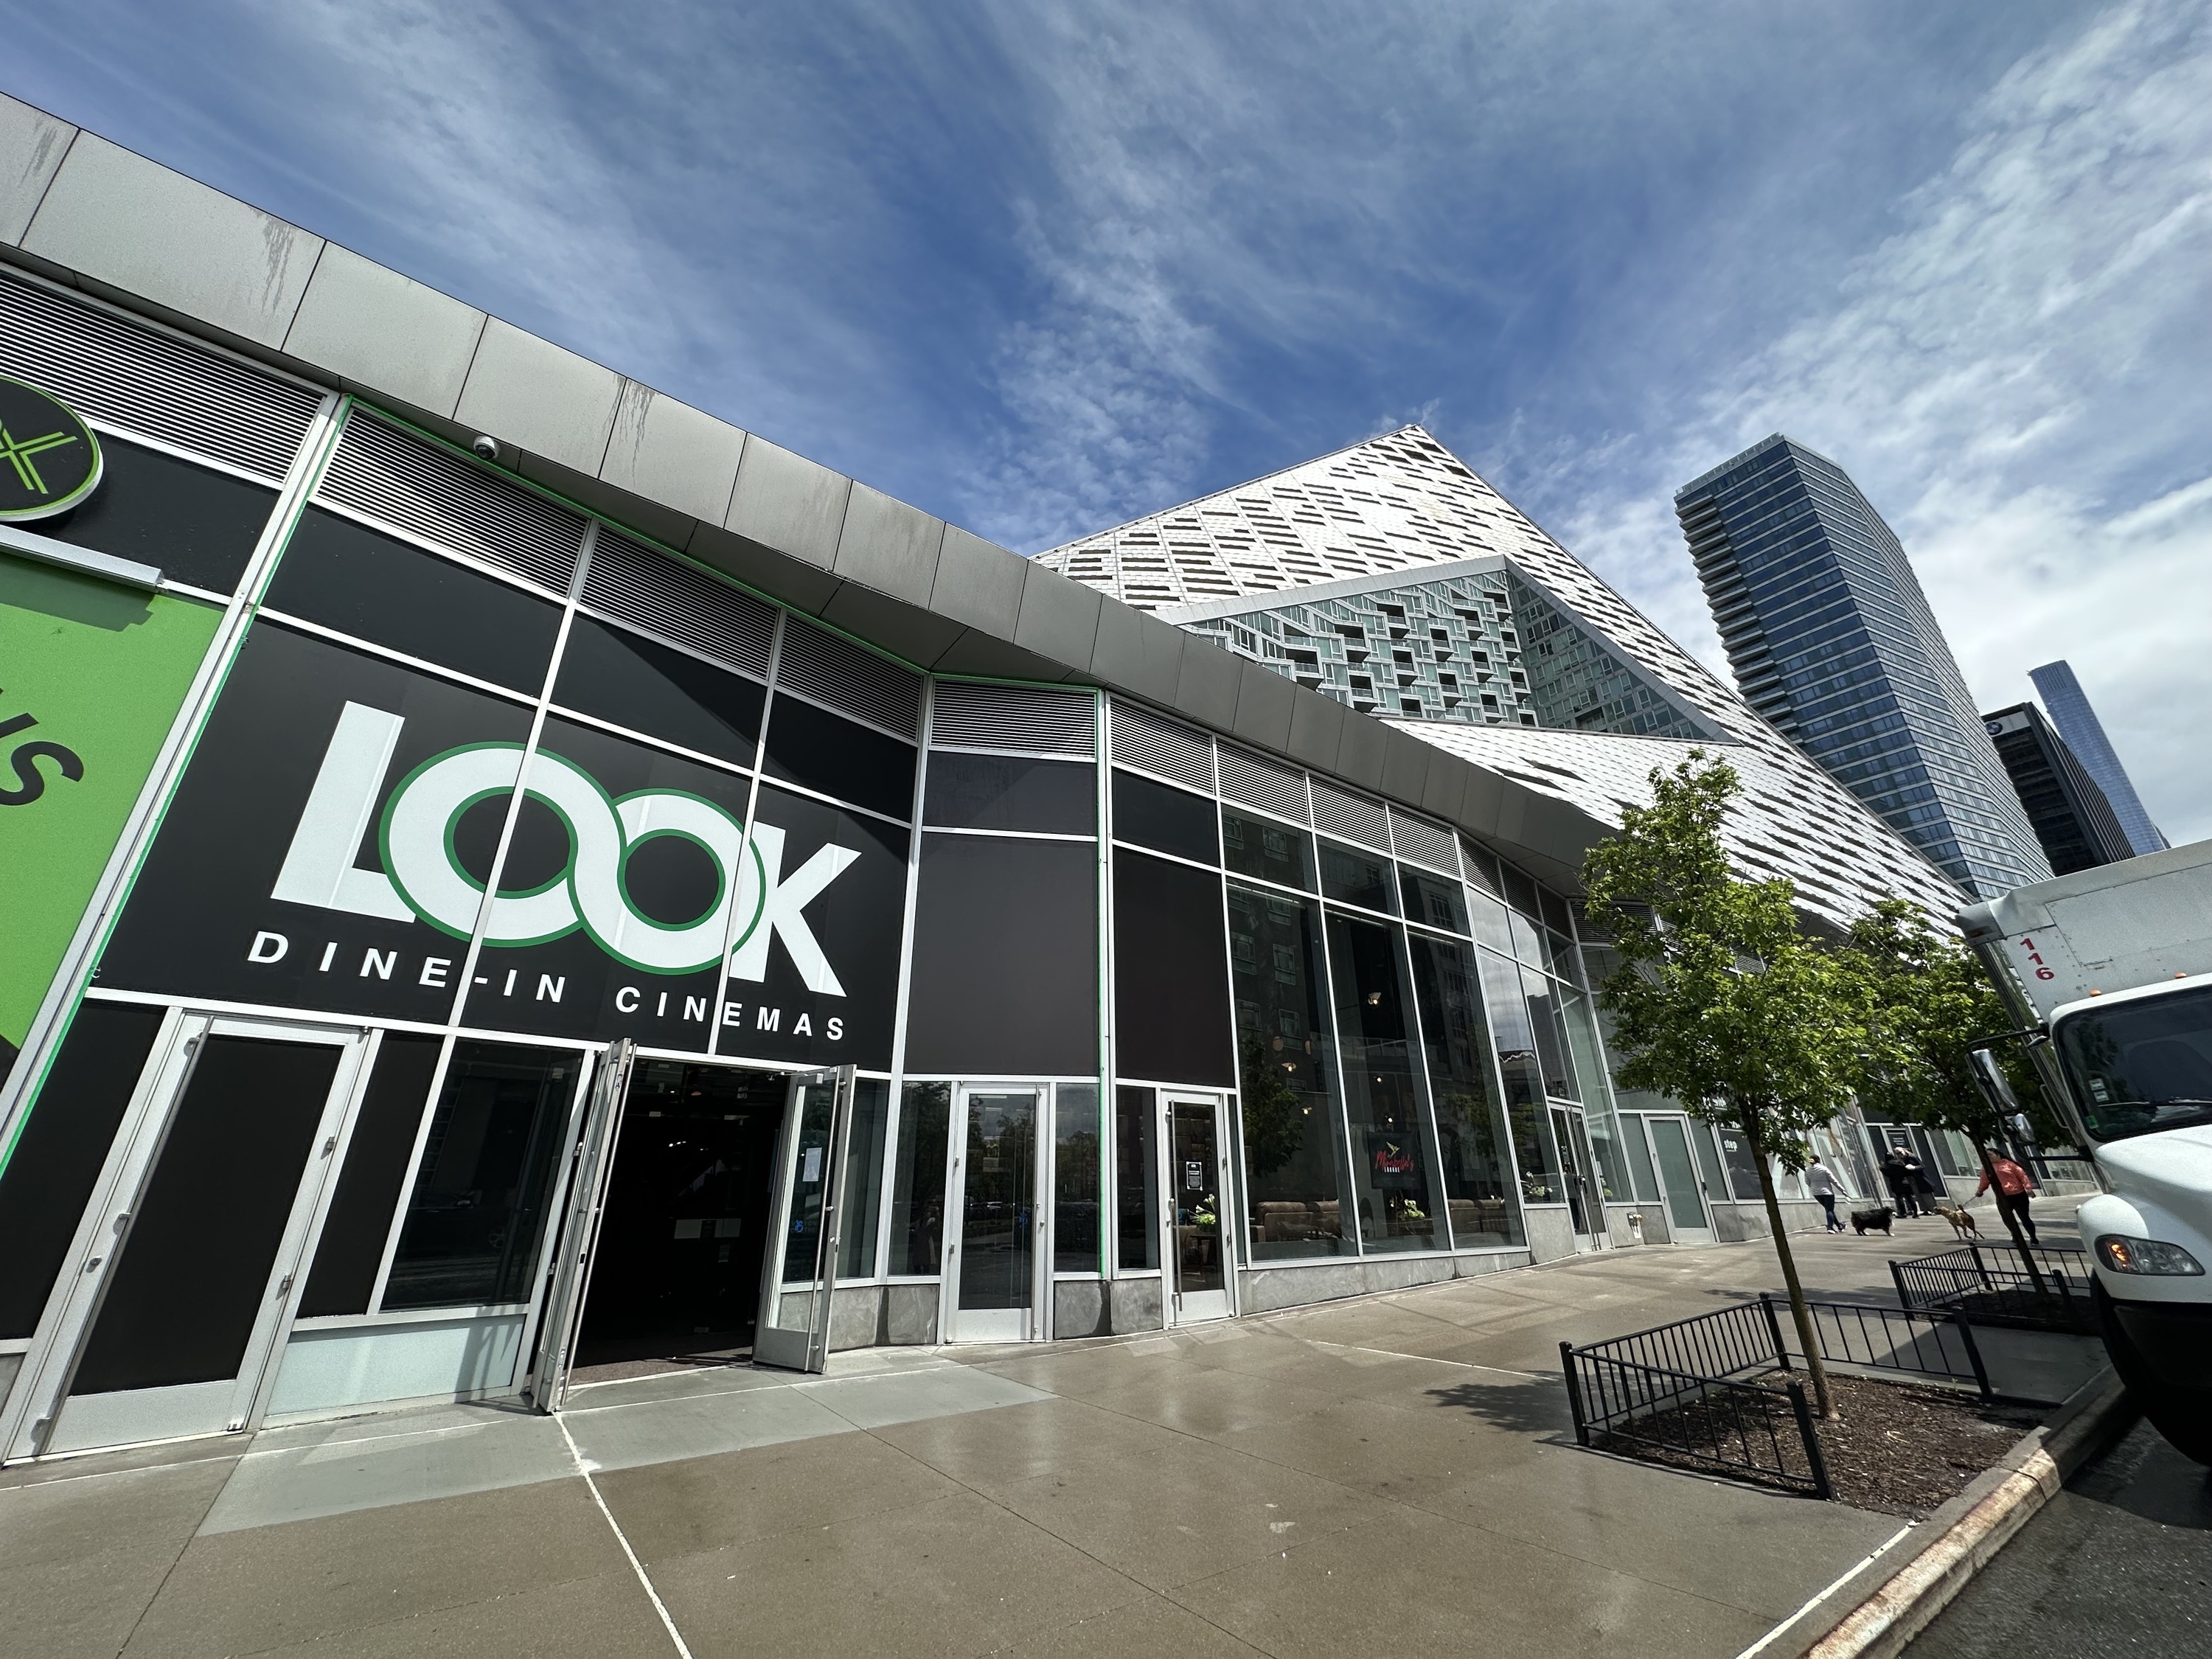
(2014,1187)
(1821,1181)
(1897,1173)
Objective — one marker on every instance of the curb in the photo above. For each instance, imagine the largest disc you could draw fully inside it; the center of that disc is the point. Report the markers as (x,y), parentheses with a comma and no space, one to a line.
(1877,1610)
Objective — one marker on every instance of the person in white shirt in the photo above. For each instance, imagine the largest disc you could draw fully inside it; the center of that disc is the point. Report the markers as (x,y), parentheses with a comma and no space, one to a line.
(1822,1182)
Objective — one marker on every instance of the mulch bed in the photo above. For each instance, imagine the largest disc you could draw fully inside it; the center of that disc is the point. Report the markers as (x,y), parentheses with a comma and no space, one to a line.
(1895,1448)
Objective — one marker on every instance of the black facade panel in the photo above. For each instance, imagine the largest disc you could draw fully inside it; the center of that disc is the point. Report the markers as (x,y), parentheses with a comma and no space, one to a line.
(351,1248)
(1170,974)
(617,675)
(819,750)
(1005,958)
(374,588)
(1010,791)
(1169,820)
(59,1154)
(193,524)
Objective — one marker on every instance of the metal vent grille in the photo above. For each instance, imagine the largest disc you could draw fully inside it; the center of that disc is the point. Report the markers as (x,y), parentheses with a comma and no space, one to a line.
(1264,784)
(679,603)
(1351,817)
(421,491)
(1423,842)
(824,669)
(1015,717)
(1481,867)
(147,382)
(1145,741)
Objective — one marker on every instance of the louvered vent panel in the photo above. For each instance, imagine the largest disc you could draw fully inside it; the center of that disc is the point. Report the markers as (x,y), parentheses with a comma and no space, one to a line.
(1143,740)
(425,491)
(1422,841)
(679,603)
(1017,717)
(103,366)
(1264,784)
(1350,817)
(837,674)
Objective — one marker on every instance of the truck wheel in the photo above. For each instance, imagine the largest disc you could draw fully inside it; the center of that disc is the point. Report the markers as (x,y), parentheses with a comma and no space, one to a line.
(2178,1415)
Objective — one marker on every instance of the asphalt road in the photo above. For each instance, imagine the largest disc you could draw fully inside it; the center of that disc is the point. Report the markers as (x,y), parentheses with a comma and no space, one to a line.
(2120,1562)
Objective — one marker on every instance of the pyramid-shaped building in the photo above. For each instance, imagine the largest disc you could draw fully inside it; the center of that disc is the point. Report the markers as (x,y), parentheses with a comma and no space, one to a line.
(1391,578)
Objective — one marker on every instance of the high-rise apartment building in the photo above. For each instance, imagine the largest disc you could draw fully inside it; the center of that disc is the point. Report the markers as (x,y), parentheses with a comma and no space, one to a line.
(1832,639)
(2084,734)
(2072,818)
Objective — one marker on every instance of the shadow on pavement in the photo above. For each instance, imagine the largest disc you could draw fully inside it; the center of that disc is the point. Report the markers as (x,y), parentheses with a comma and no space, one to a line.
(1518,1408)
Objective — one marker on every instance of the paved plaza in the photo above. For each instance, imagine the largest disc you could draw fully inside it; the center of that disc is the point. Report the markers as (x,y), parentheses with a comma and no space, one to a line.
(1395,1471)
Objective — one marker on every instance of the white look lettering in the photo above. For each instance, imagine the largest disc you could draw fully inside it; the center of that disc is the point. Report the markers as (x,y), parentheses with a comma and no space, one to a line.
(781,912)
(694,1007)
(733,1013)
(380,962)
(633,995)
(550,988)
(802,1026)
(768,1020)
(268,947)
(834,1030)
(329,953)
(434,969)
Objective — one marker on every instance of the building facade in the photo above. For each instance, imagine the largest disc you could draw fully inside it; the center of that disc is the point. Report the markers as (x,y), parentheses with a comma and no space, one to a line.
(2072,818)
(2083,733)
(1831,638)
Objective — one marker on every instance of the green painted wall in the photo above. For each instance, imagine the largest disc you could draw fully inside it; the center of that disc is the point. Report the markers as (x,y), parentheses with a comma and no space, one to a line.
(101,669)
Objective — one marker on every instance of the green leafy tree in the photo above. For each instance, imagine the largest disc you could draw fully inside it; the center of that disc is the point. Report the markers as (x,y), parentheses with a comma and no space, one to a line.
(1925,999)
(1722,1001)
(1274,1116)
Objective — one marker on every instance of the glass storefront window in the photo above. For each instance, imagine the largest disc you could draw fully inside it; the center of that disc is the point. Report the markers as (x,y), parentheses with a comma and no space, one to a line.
(1492,928)
(1432,900)
(1010,791)
(918,1190)
(1075,1179)
(1478,1197)
(1272,852)
(1394,1162)
(1642,1180)
(1295,1178)
(1136,1180)
(1541,1181)
(1166,820)
(1742,1167)
(863,1178)
(1352,876)
(1547,1024)
(481,1194)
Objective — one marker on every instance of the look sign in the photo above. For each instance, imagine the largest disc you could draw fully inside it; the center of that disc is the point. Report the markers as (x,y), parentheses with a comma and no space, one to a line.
(424,880)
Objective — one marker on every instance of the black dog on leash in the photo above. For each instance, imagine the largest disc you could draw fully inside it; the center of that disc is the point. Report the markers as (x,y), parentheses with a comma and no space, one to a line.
(1881,1217)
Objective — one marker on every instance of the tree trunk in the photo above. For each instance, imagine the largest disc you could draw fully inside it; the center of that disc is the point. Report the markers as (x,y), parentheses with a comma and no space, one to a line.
(1799,1313)
(2011,1219)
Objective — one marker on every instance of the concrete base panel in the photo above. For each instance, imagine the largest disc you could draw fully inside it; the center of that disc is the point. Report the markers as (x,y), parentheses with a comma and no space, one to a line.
(1078,1309)
(1551,1234)
(1264,1290)
(910,1314)
(856,1317)
(1135,1305)
(1654,1224)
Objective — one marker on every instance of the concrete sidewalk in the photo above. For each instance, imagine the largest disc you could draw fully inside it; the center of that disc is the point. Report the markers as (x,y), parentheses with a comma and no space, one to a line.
(1397,1468)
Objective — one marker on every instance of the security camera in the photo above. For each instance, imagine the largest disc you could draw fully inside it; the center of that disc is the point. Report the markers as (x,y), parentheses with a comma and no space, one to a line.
(486,445)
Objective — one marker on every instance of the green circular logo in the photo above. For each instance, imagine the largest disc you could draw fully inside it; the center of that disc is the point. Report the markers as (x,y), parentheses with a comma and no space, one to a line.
(49,458)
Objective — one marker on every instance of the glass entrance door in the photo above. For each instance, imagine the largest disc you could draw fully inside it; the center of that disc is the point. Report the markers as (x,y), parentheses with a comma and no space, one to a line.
(801,1268)
(1583,1204)
(993,1265)
(1196,1183)
(1687,1220)
(186,1290)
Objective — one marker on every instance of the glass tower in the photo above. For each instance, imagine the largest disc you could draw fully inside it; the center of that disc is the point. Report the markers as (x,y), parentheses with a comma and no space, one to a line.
(2084,733)
(1832,639)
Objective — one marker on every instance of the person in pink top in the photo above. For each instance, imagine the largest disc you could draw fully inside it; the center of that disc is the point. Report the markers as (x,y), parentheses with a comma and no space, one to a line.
(2014,1187)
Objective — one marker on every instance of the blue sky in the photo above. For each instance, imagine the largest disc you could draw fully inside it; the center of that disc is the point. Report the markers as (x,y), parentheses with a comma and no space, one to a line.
(1040,267)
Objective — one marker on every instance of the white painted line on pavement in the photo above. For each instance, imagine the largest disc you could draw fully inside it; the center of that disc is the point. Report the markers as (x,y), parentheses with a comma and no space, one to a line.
(635,1566)
(1820,1595)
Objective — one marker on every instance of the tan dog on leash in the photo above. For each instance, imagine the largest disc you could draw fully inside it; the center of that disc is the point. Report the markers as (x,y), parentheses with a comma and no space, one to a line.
(1961,1219)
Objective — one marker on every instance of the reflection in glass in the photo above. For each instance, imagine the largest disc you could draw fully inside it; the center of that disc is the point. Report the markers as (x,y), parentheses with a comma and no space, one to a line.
(1136,1179)
(1479,1196)
(1272,852)
(918,1191)
(1293,1144)
(1567,1130)
(1354,876)
(1433,900)
(481,1194)
(1636,1156)
(810,1185)
(1075,1179)
(1597,1099)
(1545,1023)
(863,1178)
(1194,1163)
(1686,1204)
(1492,926)
(997,1202)
(1382,1102)
(1517,1066)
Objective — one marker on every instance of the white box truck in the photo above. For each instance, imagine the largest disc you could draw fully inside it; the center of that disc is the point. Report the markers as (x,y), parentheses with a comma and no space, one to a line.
(2109,969)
